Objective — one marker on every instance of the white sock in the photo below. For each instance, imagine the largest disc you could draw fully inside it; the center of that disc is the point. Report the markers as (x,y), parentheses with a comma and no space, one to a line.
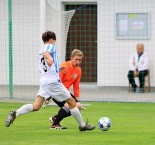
(77,115)
(24,109)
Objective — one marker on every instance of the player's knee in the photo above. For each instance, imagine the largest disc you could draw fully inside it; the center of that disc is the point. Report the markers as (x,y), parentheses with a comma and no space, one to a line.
(71,103)
(36,107)
(38,103)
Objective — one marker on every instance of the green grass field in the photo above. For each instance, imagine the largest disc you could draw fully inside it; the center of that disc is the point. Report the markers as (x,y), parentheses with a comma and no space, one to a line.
(132,124)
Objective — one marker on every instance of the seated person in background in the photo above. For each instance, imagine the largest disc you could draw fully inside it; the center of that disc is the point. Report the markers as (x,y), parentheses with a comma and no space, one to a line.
(138,67)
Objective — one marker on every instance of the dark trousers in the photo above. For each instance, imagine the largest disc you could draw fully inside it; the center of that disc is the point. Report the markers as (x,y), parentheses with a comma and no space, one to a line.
(141,77)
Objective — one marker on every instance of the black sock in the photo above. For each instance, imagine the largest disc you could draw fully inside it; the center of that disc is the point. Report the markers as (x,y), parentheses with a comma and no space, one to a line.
(63,112)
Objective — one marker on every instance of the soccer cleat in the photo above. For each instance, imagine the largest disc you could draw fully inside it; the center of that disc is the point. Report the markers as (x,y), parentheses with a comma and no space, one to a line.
(57,127)
(86,127)
(10,119)
(52,119)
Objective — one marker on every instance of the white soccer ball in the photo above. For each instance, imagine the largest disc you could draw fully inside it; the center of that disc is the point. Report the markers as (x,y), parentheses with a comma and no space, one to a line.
(104,123)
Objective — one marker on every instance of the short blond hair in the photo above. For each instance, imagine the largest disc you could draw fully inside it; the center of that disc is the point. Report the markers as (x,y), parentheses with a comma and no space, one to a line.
(77,52)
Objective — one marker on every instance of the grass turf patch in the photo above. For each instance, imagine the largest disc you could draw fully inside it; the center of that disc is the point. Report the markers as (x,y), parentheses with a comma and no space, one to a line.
(132,124)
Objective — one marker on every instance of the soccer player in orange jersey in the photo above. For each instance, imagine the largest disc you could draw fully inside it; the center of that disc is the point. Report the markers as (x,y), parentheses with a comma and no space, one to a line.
(70,77)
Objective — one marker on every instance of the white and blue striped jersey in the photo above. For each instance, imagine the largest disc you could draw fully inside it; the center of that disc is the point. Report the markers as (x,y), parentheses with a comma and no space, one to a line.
(49,74)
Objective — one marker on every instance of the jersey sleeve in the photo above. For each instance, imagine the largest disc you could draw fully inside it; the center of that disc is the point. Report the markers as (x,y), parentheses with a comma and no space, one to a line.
(76,87)
(61,74)
(51,48)
(132,63)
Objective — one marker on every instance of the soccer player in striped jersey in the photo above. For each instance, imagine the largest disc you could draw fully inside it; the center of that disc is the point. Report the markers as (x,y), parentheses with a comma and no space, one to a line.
(50,84)
(70,77)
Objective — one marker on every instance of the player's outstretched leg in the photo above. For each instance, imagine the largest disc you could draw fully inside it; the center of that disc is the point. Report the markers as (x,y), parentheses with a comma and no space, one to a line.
(13,114)
(77,115)
(24,109)
(10,119)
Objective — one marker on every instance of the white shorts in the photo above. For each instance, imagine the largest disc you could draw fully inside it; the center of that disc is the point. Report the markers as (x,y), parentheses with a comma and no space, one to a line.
(56,90)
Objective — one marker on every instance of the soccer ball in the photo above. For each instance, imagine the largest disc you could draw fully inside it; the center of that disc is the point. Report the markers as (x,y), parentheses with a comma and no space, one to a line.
(104,123)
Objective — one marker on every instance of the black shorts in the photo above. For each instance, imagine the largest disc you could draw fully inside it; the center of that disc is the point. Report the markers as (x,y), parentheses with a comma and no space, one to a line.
(61,104)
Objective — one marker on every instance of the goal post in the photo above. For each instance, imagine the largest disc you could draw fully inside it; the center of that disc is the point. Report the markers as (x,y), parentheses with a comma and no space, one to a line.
(10,48)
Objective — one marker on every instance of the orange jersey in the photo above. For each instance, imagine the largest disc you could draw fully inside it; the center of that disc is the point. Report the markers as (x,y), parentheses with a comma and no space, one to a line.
(71,77)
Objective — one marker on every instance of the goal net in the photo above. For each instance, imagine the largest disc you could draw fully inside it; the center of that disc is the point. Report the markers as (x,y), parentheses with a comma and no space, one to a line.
(20,43)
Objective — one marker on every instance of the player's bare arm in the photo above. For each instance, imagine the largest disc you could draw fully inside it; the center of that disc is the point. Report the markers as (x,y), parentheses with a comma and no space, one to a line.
(48,58)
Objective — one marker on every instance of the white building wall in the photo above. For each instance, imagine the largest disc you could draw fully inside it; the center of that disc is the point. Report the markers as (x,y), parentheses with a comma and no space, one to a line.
(25,42)
(113,54)
(3,43)
(26,37)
